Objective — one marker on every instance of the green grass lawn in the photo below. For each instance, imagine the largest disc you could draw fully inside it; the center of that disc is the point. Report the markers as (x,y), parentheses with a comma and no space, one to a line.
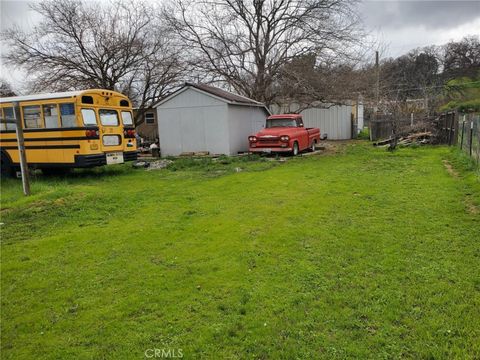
(358,254)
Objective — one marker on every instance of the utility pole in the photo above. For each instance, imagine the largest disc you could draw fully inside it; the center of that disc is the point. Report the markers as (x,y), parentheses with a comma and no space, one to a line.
(21,148)
(377,84)
(373,124)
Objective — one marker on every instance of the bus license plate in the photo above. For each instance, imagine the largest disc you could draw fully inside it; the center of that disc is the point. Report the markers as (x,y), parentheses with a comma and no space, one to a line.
(268,150)
(114,158)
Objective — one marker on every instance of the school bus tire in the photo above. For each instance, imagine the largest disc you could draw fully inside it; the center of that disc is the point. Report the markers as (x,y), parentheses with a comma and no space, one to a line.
(7,169)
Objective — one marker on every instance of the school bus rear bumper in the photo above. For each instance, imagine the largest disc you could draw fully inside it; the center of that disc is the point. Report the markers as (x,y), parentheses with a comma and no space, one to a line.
(81,161)
(85,161)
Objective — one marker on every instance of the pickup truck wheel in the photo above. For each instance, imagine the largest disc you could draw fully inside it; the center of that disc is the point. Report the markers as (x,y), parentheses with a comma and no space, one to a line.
(295,149)
(314,146)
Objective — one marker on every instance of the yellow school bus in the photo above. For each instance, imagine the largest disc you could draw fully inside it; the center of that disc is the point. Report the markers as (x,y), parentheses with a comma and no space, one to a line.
(75,129)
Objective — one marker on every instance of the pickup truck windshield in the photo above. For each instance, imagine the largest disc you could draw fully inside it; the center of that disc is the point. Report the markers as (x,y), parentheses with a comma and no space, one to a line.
(273,123)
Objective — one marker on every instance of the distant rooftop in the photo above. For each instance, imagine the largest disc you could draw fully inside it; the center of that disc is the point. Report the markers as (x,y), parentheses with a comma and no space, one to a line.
(227,95)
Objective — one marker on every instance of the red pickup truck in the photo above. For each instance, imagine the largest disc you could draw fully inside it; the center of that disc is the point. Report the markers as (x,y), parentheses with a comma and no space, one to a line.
(284,133)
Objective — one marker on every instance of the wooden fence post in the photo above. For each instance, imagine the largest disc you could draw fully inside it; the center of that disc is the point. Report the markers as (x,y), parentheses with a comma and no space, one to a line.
(463,130)
(450,132)
(21,148)
(471,136)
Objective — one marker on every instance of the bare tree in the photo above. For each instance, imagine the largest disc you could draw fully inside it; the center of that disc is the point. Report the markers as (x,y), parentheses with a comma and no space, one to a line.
(462,58)
(6,88)
(304,83)
(415,75)
(118,46)
(246,43)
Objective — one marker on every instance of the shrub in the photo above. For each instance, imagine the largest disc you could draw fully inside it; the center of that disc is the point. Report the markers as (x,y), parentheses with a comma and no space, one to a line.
(364,134)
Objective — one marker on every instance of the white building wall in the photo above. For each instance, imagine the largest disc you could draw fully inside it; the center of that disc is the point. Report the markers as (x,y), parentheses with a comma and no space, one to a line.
(334,121)
(192,122)
(243,122)
(360,121)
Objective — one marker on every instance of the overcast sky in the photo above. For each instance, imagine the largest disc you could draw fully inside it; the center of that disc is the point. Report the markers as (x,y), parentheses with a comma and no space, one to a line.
(404,25)
(397,24)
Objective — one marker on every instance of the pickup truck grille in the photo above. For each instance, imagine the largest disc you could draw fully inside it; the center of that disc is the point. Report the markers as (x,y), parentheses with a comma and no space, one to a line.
(269,141)
(273,138)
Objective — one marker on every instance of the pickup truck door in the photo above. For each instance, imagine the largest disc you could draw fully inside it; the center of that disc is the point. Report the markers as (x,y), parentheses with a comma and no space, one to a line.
(302,135)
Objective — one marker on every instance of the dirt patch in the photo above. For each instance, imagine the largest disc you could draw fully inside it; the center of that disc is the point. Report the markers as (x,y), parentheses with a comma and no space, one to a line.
(331,147)
(450,169)
(471,207)
(336,146)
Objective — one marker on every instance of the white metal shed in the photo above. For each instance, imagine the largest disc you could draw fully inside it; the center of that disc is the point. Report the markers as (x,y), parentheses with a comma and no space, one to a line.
(200,117)
(335,121)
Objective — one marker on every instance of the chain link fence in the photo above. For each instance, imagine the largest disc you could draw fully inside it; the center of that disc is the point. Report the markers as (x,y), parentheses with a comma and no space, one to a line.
(468,138)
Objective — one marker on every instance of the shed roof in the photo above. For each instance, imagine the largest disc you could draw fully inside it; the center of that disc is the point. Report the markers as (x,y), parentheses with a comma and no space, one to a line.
(216,92)
(227,95)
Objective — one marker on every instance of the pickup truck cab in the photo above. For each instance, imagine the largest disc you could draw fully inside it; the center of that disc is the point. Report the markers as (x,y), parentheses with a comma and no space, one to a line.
(284,133)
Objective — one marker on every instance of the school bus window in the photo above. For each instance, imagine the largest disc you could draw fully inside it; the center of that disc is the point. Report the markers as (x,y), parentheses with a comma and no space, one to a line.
(50,115)
(3,126)
(127,118)
(31,117)
(87,99)
(8,113)
(67,113)
(89,117)
(108,117)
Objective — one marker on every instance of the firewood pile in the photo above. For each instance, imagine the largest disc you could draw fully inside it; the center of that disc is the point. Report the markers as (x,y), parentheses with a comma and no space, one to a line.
(419,138)
(422,132)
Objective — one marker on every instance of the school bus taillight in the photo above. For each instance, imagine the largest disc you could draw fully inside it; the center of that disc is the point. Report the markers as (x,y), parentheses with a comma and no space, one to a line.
(91,134)
(129,133)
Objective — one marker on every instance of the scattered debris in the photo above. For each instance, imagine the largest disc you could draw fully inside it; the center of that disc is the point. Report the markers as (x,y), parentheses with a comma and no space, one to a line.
(195,153)
(202,153)
(420,138)
(159,164)
(140,164)
(313,152)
